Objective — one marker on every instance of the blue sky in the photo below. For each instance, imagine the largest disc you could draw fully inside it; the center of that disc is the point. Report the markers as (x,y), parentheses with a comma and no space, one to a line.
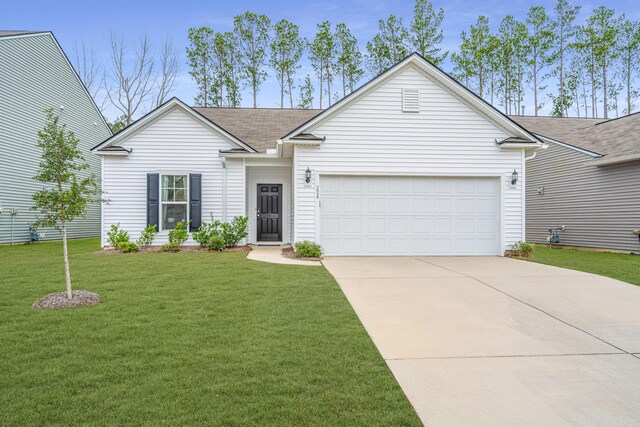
(90,22)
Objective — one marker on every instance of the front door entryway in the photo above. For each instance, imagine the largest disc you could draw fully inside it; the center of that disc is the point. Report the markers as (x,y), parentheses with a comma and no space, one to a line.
(269,212)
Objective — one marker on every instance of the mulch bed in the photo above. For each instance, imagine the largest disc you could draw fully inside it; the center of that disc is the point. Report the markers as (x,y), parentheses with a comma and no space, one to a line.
(156,249)
(60,300)
(290,253)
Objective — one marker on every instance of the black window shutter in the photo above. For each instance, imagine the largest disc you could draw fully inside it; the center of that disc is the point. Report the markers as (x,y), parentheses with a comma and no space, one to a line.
(153,199)
(195,201)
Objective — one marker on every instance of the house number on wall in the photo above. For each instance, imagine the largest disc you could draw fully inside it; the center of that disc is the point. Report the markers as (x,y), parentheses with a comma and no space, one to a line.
(317,191)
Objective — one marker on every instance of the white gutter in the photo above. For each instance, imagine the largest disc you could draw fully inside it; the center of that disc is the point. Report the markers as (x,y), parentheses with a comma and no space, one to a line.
(249,156)
(521,145)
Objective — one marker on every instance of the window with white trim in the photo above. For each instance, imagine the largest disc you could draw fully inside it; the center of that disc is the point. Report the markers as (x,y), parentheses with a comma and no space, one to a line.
(174,200)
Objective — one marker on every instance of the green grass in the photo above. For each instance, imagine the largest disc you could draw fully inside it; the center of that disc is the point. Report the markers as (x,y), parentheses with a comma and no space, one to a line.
(623,267)
(185,339)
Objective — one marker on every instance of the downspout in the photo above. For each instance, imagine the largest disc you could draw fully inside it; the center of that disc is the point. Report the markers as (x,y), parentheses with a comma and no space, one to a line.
(524,191)
(224,189)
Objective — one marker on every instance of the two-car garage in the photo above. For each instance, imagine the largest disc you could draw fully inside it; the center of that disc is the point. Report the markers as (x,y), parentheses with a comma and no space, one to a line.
(396,215)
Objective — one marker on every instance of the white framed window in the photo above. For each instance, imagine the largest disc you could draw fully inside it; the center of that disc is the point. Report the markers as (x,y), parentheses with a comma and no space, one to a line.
(410,100)
(174,200)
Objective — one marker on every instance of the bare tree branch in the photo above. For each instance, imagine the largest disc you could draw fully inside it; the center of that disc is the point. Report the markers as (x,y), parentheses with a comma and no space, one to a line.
(129,82)
(88,68)
(166,79)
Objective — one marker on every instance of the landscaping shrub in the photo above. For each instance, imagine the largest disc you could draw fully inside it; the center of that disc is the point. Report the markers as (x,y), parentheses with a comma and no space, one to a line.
(116,236)
(170,247)
(128,247)
(233,232)
(308,249)
(216,243)
(180,234)
(522,249)
(147,236)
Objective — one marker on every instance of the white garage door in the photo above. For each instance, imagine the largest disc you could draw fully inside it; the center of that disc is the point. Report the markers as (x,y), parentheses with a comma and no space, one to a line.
(384,215)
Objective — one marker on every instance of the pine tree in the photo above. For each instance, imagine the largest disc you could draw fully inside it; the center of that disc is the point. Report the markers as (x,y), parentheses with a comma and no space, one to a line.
(306,94)
(349,59)
(540,43)
(199,54)
(564,30)
(252,34)
(629,66)
(286,51)
(322,55)
(426,34)
(389,46)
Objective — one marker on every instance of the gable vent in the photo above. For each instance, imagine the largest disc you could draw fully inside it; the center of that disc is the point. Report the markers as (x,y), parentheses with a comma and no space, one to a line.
(410,101)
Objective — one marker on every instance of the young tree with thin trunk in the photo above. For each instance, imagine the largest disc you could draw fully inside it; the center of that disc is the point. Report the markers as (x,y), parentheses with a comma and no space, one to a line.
(472,60)
(629,66)
(66,196)
(305,100)
(130,79)
(286,50)
(252,34)
(564,30)
(540,43)
(389,46)
(426,34)
(348,63)
(199,55)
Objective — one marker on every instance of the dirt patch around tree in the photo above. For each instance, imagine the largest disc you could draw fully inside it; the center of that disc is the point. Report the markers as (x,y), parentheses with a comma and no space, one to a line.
(156,249)
(60,300)
(290,253)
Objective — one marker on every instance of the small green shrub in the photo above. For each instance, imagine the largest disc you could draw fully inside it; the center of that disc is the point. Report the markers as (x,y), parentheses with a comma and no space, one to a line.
(308,249)
(216,243)
(522,249)
(147,236)
(128,247)
(116,235)
(180,234)
(170,247)
(233,232)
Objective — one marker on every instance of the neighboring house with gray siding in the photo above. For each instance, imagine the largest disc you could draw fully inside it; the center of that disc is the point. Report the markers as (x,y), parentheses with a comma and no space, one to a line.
(588,179)
(35,74)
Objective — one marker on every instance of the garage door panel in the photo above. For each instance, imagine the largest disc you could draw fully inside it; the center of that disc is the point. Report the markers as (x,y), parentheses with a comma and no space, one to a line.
(409,216)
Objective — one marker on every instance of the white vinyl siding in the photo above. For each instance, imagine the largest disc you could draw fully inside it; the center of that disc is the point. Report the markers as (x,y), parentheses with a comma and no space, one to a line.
(373,136)
(35,75)
(174,143)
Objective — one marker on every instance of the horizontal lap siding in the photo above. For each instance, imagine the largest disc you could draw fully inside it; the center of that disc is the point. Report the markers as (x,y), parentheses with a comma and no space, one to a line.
(374,136)
(174,143)
(34,75)
(600,206)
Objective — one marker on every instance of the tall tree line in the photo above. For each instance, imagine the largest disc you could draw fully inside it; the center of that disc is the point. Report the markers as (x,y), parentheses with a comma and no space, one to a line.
(553,60)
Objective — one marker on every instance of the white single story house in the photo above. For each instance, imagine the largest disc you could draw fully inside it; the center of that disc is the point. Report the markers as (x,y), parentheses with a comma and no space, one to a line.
(412,163)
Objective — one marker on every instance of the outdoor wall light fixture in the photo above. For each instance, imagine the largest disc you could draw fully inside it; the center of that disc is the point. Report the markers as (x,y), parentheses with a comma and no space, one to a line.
(307,175)
(514,177)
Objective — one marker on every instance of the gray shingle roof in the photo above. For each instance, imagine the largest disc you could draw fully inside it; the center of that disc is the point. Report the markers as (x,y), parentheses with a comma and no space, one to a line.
(611,138)
(258,127)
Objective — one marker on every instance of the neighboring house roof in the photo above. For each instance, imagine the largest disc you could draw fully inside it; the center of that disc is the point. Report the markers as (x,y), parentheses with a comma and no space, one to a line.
(258,127)
(7,33)
(615,138)
(441,78)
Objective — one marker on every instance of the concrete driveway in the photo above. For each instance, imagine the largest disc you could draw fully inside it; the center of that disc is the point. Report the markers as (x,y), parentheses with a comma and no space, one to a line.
(495,341)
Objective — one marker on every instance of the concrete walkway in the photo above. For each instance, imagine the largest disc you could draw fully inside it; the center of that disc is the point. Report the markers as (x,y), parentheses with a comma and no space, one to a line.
(489,341)
(273,254)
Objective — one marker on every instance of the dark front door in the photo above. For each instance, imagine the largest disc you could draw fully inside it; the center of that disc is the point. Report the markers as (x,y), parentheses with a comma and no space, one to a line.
(269,212)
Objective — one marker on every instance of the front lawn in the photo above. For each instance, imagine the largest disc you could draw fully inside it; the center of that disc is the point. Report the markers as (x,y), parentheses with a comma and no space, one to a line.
(623,267)
(185,339)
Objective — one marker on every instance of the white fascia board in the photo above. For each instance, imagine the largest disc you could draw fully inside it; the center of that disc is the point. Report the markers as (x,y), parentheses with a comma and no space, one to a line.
(573,147)
(112,153)
(521,145)
(249,156)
